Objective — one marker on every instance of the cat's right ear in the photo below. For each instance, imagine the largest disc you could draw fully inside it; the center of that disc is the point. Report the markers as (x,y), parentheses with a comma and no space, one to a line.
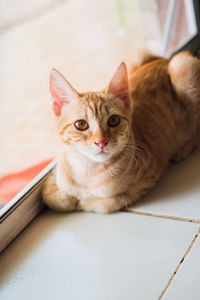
(62,93)
(119,84)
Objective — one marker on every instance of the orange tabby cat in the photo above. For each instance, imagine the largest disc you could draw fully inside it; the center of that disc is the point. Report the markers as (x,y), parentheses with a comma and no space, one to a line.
(118,142)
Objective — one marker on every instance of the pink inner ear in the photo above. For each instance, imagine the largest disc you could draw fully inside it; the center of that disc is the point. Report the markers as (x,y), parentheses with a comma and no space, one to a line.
(119,84)
(57,106)
(61,92)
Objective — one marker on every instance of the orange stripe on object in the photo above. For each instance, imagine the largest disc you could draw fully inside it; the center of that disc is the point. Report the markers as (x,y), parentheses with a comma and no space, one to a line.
(13,183)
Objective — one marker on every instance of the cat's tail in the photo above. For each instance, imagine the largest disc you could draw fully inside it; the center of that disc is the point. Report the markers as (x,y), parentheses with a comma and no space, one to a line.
(184,70)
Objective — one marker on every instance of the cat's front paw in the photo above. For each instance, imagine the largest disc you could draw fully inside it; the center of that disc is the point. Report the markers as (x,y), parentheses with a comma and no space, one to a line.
(56,199)
(104,205)
(60,201)
(92,205)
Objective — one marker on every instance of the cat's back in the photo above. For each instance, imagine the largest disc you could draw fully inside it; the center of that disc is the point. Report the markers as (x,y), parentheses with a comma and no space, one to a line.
(165,103)
(171,84)
(154,98)
(150,81)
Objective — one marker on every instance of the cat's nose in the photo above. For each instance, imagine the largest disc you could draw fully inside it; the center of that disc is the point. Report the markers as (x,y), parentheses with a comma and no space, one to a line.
(101,143)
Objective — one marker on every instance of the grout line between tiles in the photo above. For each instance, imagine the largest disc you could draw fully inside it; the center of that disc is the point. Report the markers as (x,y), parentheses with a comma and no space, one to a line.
(145,213)
(180,263)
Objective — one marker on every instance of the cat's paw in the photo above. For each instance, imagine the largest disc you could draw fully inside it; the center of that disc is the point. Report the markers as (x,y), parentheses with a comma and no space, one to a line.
(56,199)
(104,205)
(60,201)
(97,205)
(93,206)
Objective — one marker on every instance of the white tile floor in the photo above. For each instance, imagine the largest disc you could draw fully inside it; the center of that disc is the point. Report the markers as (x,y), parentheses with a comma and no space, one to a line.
(93,256)
(179,190)
(186,284)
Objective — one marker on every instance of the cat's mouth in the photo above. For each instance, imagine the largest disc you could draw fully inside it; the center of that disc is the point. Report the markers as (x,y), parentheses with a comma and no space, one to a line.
(100,156)
(102,152)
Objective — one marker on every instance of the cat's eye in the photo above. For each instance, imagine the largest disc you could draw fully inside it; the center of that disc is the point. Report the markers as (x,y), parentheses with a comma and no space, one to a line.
(81,125)
(114,121)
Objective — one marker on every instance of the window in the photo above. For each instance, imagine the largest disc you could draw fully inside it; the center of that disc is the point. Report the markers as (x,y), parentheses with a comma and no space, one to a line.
(180,28)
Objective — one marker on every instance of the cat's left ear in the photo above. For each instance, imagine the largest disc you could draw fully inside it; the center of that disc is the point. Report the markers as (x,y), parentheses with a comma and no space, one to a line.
(62,93)
(119,84)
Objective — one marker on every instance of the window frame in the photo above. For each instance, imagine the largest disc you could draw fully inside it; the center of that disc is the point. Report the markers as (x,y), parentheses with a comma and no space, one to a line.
(193,44)
(23,208)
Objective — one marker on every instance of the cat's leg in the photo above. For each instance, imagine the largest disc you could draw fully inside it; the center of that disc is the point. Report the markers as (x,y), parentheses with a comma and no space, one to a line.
(56,199)
(105,205)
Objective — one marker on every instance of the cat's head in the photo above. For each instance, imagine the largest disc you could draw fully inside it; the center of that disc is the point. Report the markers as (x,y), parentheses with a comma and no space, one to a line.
(96,124)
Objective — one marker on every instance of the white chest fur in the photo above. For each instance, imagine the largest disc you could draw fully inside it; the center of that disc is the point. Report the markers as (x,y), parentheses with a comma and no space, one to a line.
(85,179)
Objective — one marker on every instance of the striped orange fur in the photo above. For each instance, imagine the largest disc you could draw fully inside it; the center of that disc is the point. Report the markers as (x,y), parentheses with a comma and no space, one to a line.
(130,133)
